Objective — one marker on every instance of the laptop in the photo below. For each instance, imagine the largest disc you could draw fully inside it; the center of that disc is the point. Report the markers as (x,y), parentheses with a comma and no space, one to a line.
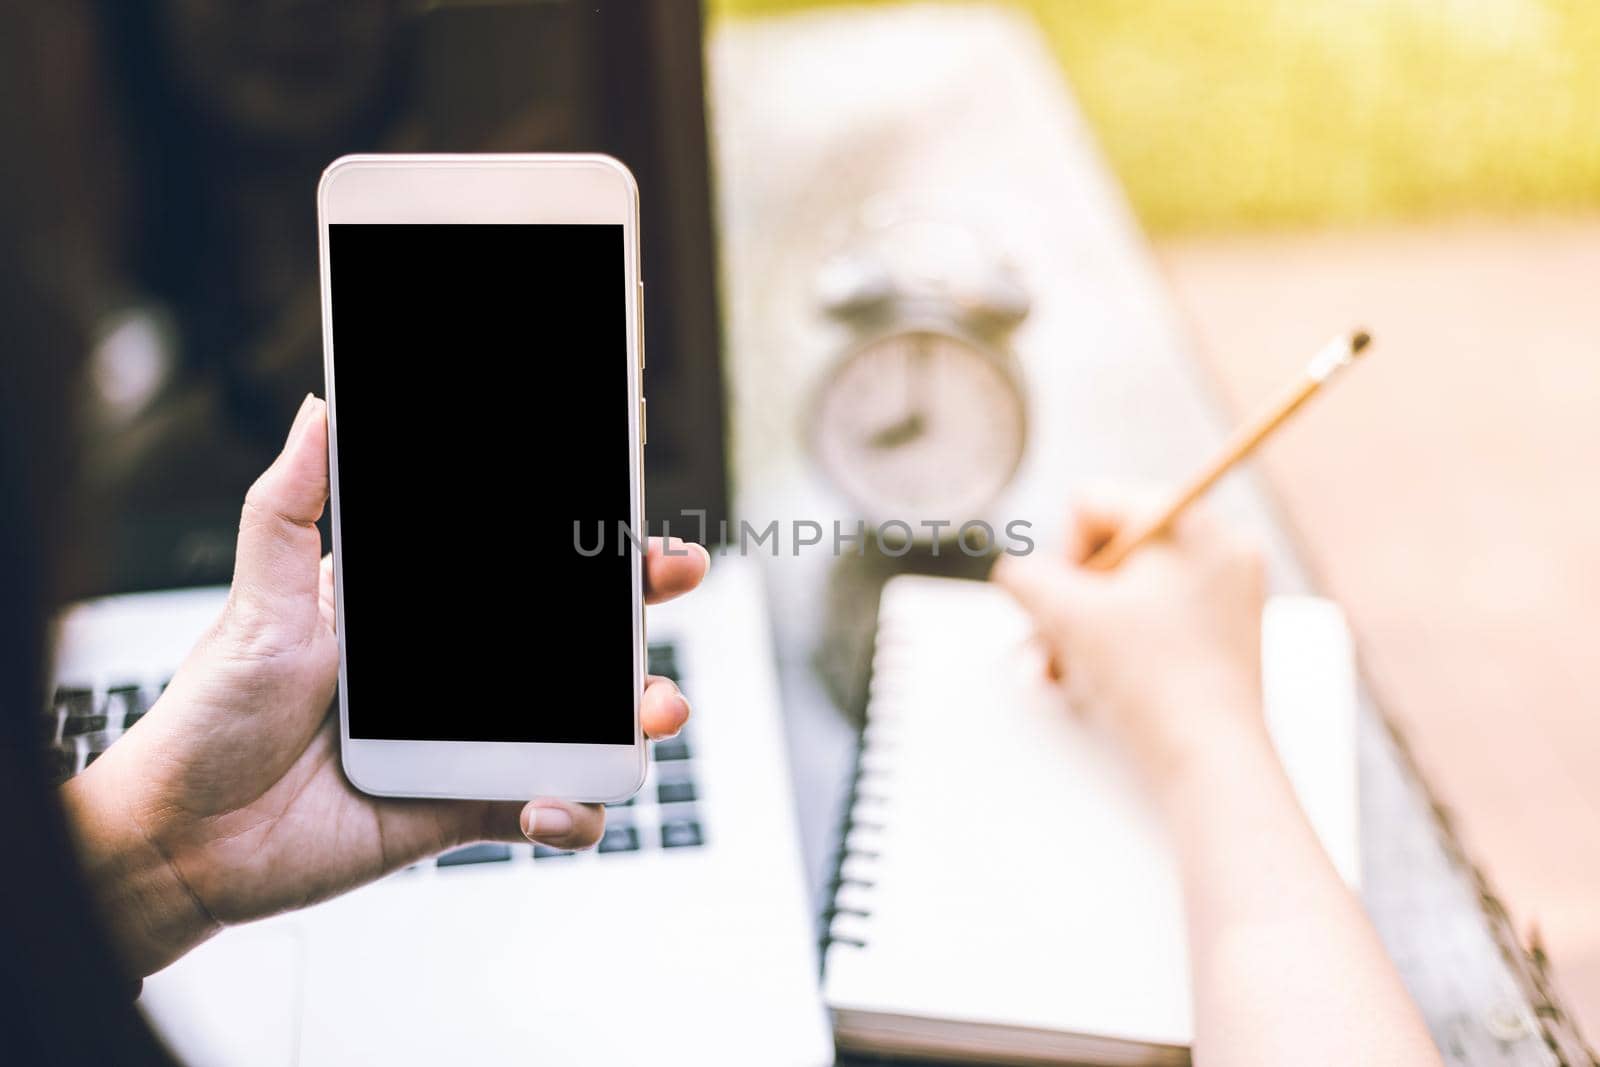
(509,953)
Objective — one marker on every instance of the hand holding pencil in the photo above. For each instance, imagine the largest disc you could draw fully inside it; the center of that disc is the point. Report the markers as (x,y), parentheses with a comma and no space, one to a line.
(1153,613)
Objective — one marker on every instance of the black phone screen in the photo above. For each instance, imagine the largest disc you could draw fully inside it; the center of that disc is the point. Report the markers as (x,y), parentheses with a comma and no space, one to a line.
(481,427)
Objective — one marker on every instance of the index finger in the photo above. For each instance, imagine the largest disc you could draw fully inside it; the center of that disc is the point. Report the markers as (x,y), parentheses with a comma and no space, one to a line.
(1099,514)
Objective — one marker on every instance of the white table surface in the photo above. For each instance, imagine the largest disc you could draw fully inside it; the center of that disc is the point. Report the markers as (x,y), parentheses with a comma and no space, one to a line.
(814,114)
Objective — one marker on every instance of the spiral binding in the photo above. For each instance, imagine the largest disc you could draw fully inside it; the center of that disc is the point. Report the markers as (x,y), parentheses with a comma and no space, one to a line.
(859,820)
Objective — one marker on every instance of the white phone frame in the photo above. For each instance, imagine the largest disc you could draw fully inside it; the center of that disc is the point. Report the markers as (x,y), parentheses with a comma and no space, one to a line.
(489,189)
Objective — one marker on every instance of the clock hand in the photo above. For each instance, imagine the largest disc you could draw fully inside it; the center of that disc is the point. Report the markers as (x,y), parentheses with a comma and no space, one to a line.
(898,433)
(917,370)
(915,422)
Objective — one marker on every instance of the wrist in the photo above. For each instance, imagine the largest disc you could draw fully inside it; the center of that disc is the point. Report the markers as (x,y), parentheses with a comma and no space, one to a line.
(1205,742)
(149,910)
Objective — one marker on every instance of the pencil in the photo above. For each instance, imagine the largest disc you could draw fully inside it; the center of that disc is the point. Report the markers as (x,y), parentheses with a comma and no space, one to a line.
(1334,357)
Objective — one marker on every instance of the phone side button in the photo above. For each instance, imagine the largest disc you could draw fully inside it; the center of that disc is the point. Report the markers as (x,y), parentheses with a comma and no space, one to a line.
(644,423)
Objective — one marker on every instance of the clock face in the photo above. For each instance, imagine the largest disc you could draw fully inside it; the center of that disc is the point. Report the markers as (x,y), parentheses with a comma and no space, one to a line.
(920,426)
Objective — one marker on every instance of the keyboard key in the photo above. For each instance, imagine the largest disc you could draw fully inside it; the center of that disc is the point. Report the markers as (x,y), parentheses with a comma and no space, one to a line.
(675,792)
(545,852)
(63,762)
(676,748)
(681,833)
(620,839)
(475,854)
(74,700)
(664,661)
(125,702)
(83,724)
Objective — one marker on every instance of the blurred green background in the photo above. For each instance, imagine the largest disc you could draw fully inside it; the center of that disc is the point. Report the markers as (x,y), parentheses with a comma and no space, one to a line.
(1225,115)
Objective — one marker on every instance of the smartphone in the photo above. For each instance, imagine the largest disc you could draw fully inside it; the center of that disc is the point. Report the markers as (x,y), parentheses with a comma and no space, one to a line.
(482,340)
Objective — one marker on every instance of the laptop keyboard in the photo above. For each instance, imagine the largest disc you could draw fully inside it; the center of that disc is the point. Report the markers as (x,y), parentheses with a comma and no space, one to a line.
(82,722)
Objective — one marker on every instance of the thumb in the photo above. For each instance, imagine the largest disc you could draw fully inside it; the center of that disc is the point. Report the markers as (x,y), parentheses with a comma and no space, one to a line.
(276,571)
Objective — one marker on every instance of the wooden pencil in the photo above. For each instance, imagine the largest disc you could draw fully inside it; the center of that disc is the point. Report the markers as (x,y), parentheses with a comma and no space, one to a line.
(1334,357)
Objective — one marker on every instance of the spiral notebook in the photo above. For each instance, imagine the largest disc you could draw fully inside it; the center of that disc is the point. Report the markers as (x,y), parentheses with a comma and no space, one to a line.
(1005,893)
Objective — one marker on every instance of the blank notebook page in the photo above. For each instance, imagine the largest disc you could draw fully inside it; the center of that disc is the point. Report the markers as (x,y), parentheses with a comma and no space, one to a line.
(1003,867)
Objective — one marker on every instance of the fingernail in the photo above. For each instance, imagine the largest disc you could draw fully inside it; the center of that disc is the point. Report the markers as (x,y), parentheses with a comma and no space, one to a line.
(548,823)
(704,553)
(684,717)
(300,417)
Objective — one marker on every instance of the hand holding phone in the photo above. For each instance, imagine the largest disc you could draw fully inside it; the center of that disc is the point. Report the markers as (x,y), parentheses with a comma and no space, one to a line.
(226,802)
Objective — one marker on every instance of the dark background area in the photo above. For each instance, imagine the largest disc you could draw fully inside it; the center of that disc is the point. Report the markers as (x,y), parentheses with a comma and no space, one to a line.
(195,258)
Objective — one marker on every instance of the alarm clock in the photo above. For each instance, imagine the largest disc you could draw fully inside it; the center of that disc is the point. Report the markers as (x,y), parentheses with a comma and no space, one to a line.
(921,419)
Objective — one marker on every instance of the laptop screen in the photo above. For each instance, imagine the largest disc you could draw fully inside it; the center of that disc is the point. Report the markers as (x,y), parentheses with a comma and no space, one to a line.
(215,252)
